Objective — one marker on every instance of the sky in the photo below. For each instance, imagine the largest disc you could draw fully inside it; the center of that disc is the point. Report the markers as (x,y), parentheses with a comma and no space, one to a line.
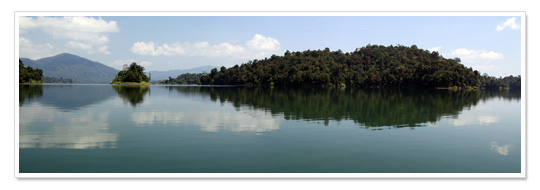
(489,44)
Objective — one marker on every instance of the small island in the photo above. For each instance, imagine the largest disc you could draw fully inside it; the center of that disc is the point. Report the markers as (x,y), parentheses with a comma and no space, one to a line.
(132,75)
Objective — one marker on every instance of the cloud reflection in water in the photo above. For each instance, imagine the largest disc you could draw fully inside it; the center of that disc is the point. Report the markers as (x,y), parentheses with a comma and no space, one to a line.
(213,121)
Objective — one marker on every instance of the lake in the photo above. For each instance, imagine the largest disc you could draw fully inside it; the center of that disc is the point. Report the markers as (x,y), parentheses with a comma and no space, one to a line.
(204,129)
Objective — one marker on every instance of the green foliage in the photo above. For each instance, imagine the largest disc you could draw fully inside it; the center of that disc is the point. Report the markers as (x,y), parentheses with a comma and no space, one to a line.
(370,66)
(134,74)
(29,74)
(47,79)
(187,78)
(491,82)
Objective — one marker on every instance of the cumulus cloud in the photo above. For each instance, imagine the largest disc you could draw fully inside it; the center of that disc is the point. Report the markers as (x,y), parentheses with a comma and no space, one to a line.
(29,49)
(260,42)
(471,55)
(435,48)
(103,50)
(510,23)
(81,32)
(78,45)
(258,47)
(86,29)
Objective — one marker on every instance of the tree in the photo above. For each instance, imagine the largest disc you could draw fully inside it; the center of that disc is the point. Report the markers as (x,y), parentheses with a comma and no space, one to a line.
(134,74)
(29,74)
(369,66)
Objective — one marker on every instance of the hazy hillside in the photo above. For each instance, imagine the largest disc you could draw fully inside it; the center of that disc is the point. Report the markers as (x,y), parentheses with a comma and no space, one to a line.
(79,69)
(162,75)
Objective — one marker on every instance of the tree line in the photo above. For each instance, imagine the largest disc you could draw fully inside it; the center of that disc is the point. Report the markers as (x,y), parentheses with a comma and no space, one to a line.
(47,79)
(186,78)
(369,66)
(29,74)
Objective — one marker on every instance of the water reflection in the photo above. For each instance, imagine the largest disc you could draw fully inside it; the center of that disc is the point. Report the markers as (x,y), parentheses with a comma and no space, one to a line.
(65,97)
(502,150)
(212,121)
(464,120)
(49,129)
(133,94)
(29,92)
(366,107)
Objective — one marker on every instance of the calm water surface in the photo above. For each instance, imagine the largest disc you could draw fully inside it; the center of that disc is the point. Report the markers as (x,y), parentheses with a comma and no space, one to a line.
(104,128)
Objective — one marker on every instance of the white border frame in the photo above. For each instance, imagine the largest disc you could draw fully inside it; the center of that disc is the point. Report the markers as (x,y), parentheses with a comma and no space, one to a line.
(520,14)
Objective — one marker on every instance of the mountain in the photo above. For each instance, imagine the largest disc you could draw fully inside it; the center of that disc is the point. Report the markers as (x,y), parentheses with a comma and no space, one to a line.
(79,69)
(162,75)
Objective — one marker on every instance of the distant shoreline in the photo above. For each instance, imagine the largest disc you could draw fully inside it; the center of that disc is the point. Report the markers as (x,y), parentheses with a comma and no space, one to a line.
(131,83)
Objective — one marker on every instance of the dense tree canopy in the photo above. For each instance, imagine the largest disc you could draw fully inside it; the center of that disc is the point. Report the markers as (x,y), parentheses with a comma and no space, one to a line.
(186,78)
(133,74)
(29,74)
(490,82)
(47,79)
(370,66)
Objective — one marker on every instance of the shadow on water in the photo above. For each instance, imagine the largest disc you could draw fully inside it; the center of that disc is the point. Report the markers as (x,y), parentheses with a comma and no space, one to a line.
(29,92)
(132,94)
(366,107)
(65,97)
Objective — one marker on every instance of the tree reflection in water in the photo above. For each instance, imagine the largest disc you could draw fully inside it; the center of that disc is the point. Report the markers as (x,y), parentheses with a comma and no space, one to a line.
(367,107)
(133,94)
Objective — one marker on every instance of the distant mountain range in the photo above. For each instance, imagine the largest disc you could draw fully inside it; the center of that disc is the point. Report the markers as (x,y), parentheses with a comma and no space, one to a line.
(82,70)
(161,75)
(79,69)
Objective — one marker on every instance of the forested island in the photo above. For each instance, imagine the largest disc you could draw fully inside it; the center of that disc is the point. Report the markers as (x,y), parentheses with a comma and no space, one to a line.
(132,74)
(29,74)
(186,78)
(369,66)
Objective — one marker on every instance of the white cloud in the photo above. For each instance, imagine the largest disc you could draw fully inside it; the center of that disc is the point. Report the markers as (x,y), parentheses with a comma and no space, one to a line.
(435,48)
(87,29)
(29,49)
(490,55)
(471,55)
(81,32)
(103,50)
(258,47)
(79,45)
(510,23)
(186,48)
(260,42)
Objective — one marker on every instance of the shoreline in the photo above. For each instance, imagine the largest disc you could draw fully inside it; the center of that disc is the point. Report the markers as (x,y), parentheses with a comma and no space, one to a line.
(136,84)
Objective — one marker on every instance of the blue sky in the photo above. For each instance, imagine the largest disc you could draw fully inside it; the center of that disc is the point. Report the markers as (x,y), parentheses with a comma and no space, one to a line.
(490,44)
